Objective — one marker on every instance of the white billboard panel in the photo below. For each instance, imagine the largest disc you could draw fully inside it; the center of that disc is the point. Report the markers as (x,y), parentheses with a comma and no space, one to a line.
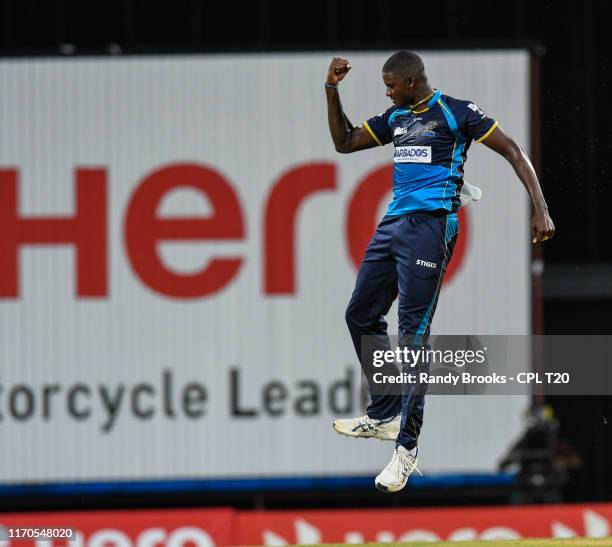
(175,264)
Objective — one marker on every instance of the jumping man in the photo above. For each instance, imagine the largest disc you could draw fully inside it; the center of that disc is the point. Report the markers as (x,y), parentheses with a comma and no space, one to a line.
(409,252)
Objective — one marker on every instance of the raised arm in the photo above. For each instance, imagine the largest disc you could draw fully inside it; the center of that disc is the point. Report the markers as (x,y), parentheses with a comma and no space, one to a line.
(346,137)
(542,227)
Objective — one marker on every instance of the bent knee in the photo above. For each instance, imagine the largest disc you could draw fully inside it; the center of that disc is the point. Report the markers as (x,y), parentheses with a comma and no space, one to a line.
(351,316)
(356,317)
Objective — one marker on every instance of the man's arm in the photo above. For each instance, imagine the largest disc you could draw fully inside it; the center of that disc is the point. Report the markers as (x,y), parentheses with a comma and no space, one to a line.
(542,227)
(346,137)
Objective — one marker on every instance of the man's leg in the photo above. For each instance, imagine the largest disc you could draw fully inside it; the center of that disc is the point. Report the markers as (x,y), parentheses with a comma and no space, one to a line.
(423,248)
(375,291)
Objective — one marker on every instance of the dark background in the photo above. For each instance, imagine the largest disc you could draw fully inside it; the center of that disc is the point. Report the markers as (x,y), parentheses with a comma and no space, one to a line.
(572,41)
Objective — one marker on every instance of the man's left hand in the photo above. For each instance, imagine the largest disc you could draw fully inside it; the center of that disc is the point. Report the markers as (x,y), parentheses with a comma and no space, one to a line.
(542,227)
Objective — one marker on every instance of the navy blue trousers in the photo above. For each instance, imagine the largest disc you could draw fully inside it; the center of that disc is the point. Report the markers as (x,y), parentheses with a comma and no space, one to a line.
(407,255)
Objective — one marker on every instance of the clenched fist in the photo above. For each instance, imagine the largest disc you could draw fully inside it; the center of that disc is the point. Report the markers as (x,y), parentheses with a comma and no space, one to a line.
(338,69)
(542,227)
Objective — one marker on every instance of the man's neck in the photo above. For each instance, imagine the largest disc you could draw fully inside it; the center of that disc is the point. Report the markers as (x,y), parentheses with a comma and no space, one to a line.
(422,96)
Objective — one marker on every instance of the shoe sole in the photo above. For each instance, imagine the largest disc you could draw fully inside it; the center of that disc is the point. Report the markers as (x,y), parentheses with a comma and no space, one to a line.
(386,489)
(353,436)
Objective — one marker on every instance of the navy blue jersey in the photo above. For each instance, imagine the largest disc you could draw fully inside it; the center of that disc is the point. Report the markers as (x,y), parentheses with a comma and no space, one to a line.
(431,147)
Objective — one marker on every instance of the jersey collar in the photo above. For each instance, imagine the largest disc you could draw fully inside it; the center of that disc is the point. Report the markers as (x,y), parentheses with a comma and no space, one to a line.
(430,102)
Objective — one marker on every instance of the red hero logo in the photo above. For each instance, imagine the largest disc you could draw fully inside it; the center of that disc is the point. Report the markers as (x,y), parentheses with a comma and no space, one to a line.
(87,231)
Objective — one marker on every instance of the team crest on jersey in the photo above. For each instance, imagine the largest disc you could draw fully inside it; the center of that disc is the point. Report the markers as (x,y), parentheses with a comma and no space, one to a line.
(428,129)
(400,131)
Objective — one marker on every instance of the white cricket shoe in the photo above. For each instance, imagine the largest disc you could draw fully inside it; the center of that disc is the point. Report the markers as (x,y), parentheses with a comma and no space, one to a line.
(395,476)
(366,427)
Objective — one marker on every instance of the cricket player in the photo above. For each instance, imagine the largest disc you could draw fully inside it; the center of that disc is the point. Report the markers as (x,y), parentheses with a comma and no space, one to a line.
(412,246)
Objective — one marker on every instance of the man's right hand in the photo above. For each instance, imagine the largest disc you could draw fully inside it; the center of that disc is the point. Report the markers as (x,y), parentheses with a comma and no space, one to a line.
(346,137)
(338,69)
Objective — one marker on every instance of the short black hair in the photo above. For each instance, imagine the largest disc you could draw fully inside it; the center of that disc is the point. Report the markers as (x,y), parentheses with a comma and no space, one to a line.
(405,63)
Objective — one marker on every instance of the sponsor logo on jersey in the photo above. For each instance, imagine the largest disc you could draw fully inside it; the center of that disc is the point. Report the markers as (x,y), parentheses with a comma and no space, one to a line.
(475,108)
(412,154)
(427,264)
(400,131)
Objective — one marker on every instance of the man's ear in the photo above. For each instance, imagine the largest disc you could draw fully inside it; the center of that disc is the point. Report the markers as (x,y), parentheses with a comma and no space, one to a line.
(409,81)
